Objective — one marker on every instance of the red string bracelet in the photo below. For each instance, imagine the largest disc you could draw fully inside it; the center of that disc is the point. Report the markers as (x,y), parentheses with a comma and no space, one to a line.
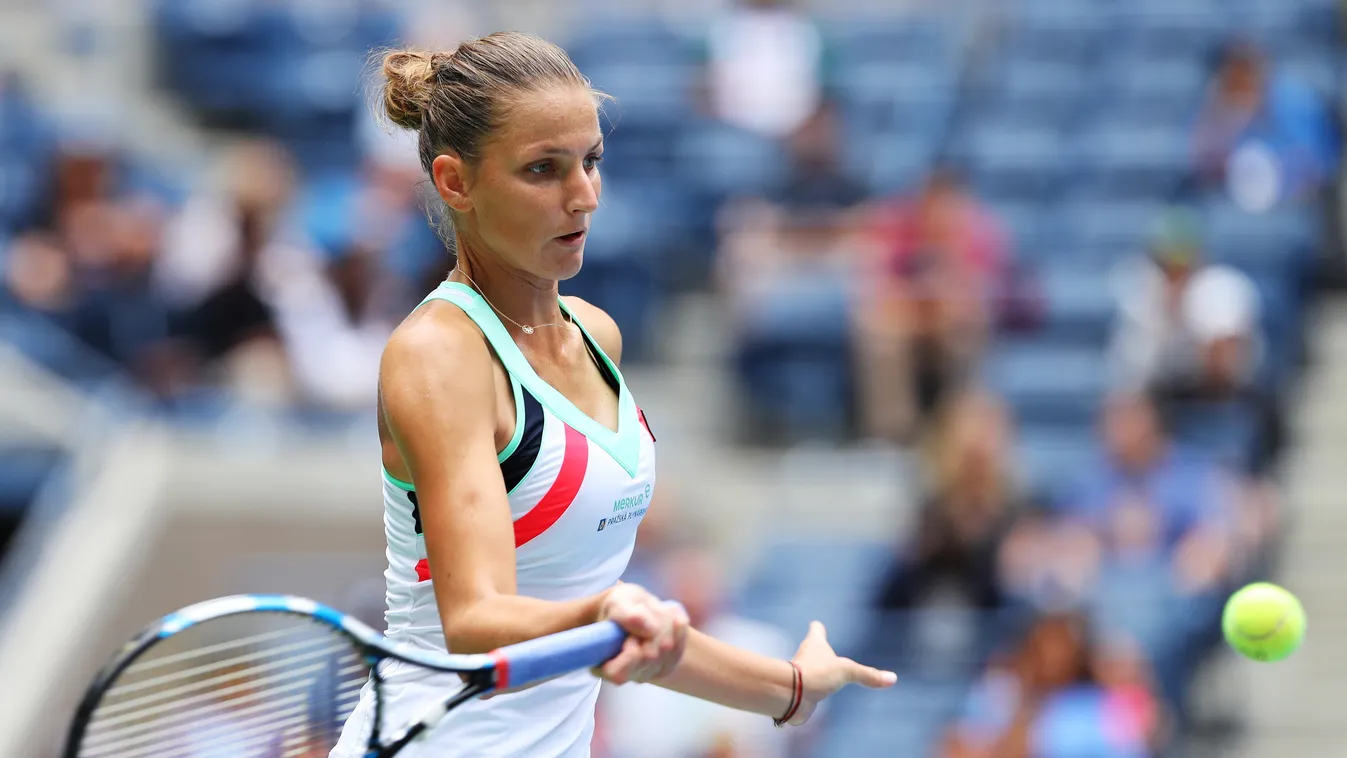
(797,696)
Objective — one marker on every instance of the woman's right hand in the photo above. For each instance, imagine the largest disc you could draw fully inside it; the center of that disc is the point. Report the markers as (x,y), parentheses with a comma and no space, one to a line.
(658,633)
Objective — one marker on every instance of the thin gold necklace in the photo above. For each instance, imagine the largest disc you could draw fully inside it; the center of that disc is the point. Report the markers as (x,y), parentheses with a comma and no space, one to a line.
(525,327)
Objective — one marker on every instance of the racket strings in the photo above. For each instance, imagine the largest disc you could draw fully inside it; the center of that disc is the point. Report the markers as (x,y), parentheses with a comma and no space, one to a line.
(197,679)
(292,685)
(265,685)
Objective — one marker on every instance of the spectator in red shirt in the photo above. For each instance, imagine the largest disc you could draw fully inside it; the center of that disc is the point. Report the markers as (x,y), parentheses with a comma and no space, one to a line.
(926,305)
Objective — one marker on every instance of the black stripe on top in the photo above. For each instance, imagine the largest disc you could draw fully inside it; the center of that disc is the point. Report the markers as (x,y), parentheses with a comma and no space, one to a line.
(520,462)
(608,375)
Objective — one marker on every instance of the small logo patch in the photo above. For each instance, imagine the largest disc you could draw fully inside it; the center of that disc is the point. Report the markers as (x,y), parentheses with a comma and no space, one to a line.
(602,523)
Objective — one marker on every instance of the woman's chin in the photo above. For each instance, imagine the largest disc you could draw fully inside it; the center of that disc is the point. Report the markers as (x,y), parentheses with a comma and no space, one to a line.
(567,263)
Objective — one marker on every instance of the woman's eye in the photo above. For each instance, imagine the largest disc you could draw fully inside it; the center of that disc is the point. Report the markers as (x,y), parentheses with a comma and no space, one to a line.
(540,168)
(592,161)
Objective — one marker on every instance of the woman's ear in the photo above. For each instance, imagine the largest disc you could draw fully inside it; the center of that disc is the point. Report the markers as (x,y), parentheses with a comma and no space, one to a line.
(450,174)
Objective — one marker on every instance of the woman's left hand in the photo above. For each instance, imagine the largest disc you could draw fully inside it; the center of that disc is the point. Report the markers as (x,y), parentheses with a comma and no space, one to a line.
(825,672)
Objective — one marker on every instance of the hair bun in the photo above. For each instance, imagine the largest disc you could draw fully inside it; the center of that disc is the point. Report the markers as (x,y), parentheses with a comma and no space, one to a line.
(410,79)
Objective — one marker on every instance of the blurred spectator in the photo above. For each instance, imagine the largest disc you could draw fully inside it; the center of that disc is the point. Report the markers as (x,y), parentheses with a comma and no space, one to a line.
(234,325)
(953,555)
(40,278)
(241,218)
(764,67)
(1061,694)
(646,721)
(816,178)
(787,268)
(234,264)
(1184,322)
(927,306)
(1264,136)
(796,240)
(1161,527)
(334,332)
(125,317)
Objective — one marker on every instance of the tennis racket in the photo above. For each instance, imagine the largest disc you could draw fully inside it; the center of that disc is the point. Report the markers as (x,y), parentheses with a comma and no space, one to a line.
(274,676)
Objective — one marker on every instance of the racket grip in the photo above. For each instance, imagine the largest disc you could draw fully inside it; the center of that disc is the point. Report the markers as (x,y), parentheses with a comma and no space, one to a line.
(545,657)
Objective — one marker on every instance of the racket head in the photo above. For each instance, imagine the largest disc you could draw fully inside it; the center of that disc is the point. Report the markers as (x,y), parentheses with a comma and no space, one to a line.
(271,675)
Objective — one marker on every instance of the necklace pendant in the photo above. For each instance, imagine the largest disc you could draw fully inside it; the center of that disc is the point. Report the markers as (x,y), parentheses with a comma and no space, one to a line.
(528,330)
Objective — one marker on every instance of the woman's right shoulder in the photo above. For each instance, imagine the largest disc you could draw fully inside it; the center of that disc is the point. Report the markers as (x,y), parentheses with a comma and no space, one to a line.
(433,338)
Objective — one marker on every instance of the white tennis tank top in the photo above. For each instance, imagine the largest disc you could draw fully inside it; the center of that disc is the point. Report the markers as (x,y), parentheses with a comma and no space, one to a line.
(577,492)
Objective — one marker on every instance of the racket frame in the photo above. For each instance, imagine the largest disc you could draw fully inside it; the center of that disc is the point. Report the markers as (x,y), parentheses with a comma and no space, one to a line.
(482,672)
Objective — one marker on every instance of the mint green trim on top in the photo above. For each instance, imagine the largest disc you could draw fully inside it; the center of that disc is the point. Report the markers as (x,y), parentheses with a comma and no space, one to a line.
(624,445)
(518,421)
(404,486)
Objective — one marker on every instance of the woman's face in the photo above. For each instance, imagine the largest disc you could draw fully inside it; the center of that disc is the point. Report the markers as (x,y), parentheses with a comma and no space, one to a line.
(529,198)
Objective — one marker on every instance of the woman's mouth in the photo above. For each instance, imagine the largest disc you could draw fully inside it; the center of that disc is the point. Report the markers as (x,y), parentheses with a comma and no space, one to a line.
(572,239)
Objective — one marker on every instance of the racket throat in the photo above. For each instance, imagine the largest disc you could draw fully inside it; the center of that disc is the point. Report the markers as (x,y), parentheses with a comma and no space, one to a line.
(478,683)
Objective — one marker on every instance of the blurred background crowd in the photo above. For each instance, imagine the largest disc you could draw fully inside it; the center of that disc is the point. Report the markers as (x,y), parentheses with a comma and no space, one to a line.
(1058,255)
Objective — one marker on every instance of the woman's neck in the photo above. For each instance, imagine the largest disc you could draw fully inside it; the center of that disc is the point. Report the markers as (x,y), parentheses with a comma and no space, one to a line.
(519,299)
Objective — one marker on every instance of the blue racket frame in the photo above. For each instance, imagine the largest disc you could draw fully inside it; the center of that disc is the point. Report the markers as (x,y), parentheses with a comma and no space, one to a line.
(511,666)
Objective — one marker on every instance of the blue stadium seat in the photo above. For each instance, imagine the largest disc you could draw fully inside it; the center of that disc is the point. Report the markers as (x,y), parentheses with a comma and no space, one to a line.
(1163,92)
(722,161)
(930,40)
(1280,241)
(1320,21)
(797,580)
(1130,161)
(1047,381)
(1057,30)
(1004,161)
(888,163)
(644,93)
(1080,304)
(888,96)
(793,363)
(1274,25)
(1052,455)
(847,566)
(625,39)
(1026,224)
(1174,25)
(905,720)
(1051,91)
(1104,231)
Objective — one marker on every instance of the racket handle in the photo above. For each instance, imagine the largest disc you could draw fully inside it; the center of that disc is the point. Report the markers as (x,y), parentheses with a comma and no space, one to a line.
(545,657)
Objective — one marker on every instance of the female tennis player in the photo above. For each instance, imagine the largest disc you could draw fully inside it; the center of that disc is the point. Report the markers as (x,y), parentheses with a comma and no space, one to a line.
(517,463)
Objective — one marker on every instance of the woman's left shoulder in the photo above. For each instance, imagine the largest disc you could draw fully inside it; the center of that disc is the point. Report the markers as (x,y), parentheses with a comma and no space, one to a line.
(599,324)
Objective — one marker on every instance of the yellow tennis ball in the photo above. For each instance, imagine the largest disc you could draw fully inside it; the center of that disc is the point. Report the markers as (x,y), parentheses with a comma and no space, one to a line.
(1264,622)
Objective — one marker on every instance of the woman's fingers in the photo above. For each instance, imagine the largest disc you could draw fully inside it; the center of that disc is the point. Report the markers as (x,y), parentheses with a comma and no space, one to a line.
(869,676)
(657,635)
(619,669)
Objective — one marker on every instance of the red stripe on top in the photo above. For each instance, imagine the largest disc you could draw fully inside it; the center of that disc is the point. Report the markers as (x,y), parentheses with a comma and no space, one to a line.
(574,463)
(502,669)
(572,474)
